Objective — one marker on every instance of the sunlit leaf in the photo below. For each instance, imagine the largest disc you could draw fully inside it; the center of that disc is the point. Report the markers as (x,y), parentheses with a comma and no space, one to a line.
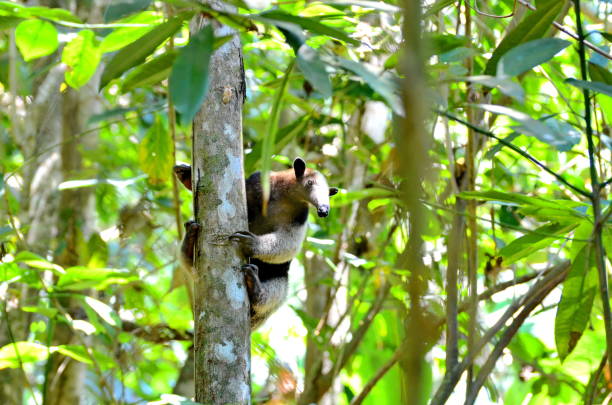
(123,36)
(311,24)
(155,153)
(597,87)
(152,72)
(79,278)
(346,197)
(103,310)
(136,52)
(574,310)
(561,136)
(13,355)
(37,262)
(81,56)
(540,238)
(534,26)
(35,39)
(382,86)
(189,77)
(528,55)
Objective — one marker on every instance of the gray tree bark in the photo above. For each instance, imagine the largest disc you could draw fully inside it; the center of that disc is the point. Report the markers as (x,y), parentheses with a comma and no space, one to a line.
(222,323)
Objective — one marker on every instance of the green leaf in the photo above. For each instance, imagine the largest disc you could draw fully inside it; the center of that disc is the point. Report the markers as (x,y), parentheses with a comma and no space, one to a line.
(523,201)
(81,56)
(79,278)
(48,312)
(10,8)
(122,8)
(438,6)
(155,153)
(504,84)
(103,310)
(384,87)
(268,143)
(189,76)
(137,51)
(597,87)
(313,68)
(123,36)
(562,136)
(35,39)
(78,353)
(528,55)
(598,73)
(13,354)
(534,26)
(311,24)
(346,197)
(574,310)
(152,72)
(7,22)
(37,262)
(530,243)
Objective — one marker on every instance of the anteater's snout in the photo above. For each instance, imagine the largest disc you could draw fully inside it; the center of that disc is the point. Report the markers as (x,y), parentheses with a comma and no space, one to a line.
(323,210)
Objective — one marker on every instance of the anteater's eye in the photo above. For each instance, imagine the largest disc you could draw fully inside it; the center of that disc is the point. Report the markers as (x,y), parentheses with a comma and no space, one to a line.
(309,183)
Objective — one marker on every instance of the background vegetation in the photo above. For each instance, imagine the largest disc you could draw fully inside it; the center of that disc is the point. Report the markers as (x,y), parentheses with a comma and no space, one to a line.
(465,255)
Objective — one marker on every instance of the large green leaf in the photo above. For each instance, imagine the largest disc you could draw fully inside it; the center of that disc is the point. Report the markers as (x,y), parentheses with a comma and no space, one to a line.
(532,242)
(35,39)
(529,55)
(574,310)
(551,131)
(155,153)
(137,51)
(597,87)
(81,56)
(79,278)
(9,8)
(13,355)
(599,73)
(536,206)
(534,26)
(189,77)
(152,72)
(313,69)
(123,36)
(386,88)
(311,24)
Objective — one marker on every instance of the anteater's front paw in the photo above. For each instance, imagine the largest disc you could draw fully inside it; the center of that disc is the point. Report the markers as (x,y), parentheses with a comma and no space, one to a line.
(246,240)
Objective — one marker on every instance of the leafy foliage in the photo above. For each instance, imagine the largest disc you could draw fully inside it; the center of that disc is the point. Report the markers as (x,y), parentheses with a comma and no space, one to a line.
(91,221)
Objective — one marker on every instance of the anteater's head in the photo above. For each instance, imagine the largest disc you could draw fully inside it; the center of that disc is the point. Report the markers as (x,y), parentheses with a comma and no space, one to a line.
(314,188)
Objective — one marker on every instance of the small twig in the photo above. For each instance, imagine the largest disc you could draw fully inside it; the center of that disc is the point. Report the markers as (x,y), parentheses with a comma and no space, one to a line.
(530,304)
(399,352)
(591,389)
(518,150)
(452,376)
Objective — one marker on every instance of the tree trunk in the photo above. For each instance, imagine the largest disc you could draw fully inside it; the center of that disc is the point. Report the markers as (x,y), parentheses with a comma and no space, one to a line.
(222,321)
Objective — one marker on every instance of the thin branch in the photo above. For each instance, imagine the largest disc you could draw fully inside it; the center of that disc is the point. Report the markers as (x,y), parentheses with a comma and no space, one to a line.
(399,352)
(532,302)
(570,34)
(518,150)
(452,376)
(591,389)
(606,183)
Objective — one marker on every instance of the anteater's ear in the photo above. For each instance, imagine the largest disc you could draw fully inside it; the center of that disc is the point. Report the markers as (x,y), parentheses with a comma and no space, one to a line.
(299,166)
(333,191)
